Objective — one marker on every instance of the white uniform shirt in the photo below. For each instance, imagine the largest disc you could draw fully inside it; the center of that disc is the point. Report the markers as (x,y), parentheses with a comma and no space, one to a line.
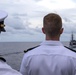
(50,58)
(5,69)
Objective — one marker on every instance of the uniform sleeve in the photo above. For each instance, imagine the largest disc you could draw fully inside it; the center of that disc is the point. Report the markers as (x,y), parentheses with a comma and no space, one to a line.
(23,68)
(5,69)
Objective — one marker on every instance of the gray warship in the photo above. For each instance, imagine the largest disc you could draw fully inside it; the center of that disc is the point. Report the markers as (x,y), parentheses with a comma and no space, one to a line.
(72,43)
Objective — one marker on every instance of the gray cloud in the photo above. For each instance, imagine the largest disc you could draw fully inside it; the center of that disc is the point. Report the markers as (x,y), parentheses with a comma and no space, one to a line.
(17,14)
(15,23)
(37,29)
(66,19)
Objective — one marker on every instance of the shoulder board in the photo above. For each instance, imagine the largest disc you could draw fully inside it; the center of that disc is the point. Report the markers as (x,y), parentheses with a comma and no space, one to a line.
(70,49)
(1,58)
(30,49)
(25,51)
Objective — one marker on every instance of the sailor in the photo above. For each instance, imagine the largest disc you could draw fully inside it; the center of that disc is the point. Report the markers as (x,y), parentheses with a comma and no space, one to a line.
(51,57)
(5,69)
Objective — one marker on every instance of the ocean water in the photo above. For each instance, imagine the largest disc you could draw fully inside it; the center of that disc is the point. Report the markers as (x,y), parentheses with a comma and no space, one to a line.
(13,51)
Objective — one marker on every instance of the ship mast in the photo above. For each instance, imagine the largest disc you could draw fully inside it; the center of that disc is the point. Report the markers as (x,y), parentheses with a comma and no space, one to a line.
(72,36)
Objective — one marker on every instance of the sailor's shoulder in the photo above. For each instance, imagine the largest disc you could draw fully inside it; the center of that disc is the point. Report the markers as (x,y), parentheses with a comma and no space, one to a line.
(70,52)
(3,59)
(29,49)
(70,49)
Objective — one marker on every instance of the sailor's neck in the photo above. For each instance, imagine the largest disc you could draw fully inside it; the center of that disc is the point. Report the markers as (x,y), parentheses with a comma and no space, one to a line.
(53,38)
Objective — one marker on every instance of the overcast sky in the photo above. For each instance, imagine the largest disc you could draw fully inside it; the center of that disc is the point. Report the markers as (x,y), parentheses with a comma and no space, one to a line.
(25,19)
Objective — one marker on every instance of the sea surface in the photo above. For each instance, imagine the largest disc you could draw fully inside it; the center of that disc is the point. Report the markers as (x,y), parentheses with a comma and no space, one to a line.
(13,51)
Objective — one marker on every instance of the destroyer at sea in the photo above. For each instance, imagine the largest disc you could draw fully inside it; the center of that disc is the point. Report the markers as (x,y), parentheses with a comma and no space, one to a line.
(72,43)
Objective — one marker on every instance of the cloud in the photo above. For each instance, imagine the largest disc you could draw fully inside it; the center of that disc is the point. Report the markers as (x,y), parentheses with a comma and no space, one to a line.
(17,14)
(15,23)
(57,4)
(37,29)
(74,0)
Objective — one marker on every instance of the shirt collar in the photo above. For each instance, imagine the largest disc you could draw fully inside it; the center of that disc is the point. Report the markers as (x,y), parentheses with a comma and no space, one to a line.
(52,43)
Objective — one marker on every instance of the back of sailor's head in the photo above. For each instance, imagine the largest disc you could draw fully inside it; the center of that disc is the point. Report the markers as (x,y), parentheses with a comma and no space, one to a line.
(52,24)
(3,15)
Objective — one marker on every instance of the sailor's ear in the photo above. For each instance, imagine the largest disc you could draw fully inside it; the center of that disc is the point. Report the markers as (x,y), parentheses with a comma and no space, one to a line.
(61,30)
(43,30)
